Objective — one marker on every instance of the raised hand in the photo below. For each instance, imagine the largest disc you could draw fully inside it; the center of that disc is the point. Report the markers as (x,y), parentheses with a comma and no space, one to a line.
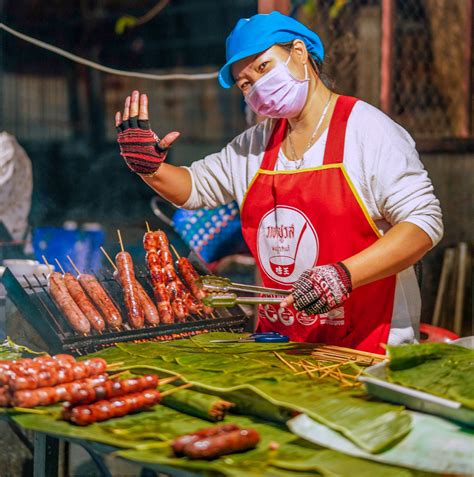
(141,148)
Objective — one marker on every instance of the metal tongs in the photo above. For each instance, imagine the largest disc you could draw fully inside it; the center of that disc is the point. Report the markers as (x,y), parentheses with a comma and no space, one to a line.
(220,294)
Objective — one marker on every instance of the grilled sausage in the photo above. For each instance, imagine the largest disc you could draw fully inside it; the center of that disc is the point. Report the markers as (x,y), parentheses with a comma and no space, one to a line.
(37,376)
(190,276)
(126,277)
(82,301)
(103,410)
(149,308)
(102,300)
(111,389)
(159,287)
(149,242)
(221,444)
(180,442)
(80,391)
(61,296)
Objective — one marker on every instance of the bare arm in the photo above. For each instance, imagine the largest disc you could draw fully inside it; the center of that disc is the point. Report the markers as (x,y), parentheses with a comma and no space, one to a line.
(402,246)
(171,182)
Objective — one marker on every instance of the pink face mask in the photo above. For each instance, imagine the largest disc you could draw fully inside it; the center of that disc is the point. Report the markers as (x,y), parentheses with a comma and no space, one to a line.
(278,94)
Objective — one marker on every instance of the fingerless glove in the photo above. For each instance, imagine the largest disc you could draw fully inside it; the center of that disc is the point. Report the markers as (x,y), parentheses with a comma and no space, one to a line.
(140,146)
(321,289)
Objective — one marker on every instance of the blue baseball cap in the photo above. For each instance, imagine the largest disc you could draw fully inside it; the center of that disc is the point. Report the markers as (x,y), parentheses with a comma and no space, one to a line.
(258,33)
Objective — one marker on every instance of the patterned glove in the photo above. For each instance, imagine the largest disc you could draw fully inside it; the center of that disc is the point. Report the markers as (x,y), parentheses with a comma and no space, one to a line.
(321,289)
(140,146)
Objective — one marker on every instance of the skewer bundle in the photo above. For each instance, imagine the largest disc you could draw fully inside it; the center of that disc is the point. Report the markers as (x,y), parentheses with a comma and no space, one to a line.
(345,365)
(339,354)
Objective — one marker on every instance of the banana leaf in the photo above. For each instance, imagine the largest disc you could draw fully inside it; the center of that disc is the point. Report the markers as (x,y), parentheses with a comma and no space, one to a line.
(261,385)
(437,368)
(205,406)
(145,438)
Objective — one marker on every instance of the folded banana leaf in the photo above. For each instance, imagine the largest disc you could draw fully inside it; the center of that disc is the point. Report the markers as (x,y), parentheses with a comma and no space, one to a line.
(205,406)
(437,368)
(146,437)
(261,385)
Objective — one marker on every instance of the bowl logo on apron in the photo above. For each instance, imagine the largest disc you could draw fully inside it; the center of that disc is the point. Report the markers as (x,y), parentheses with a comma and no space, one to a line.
(287,244)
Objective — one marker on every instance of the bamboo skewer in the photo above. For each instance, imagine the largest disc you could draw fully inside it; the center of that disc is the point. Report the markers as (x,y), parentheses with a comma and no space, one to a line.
(147,226)
(108,257)
(176,389)
(120,240)
(47,263)
(175,251)
(60,267)
(73,265)
(283,360)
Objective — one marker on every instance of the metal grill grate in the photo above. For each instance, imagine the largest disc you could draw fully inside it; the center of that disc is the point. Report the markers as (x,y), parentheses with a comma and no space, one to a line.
(30,295)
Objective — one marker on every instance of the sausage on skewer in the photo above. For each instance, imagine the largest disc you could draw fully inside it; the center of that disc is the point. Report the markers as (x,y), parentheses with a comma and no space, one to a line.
(222,444)
(126,277)
(173,284)
(37,376)
(151,313)
(61,296)
(180,442)
(109,389)
(101,299)
(80,391)
(82,301)
(159,287)
(103,410)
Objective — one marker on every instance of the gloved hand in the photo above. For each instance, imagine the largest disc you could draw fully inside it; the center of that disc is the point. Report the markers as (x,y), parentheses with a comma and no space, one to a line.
(321,289)
(141,148)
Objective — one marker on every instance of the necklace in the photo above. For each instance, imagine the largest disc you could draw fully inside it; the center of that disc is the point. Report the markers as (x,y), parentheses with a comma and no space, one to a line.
(311,139)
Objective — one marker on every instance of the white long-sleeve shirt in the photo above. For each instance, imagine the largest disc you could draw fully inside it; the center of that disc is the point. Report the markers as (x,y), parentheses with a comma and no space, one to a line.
(383,164)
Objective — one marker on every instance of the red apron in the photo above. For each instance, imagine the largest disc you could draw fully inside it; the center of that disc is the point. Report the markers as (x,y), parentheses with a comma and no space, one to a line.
(294,220)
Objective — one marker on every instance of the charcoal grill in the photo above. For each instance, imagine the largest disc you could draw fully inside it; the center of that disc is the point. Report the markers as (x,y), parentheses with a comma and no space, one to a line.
(33,301)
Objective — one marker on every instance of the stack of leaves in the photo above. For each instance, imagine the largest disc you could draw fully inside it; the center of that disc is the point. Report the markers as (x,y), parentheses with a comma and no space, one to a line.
(147,437)
(252,377)
(437,368)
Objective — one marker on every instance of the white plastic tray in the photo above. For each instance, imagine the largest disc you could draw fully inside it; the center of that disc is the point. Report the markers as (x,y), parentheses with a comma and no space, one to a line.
(375,380)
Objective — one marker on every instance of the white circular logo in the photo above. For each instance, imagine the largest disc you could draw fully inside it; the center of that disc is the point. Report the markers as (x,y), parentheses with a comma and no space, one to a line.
(287,244)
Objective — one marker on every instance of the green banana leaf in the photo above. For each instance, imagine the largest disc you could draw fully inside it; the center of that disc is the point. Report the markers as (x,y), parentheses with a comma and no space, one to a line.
(252,377)
(193,403)
(145,438)
(437,368)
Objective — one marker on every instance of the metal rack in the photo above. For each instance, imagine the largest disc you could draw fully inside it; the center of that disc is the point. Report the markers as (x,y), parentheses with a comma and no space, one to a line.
(31,297)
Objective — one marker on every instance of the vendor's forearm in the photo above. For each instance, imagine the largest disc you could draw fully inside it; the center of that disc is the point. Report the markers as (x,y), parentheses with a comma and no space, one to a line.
(402,246)
(171,182)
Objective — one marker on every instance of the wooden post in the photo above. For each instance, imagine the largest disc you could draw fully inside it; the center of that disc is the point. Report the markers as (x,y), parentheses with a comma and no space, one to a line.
(467,126)
(368,54)
(388,13)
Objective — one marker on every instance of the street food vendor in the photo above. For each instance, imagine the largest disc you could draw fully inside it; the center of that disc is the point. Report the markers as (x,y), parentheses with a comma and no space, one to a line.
(335,203)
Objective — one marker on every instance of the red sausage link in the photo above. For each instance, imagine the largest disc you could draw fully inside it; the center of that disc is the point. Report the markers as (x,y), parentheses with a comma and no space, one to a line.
(126,276)
(149,242)
(102,300)
(149,308)
(36,376)
(79,390)
(82,301)
(227,443)
(103,410)
(180,442)
(115,388)
(60,294)
(159,287)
